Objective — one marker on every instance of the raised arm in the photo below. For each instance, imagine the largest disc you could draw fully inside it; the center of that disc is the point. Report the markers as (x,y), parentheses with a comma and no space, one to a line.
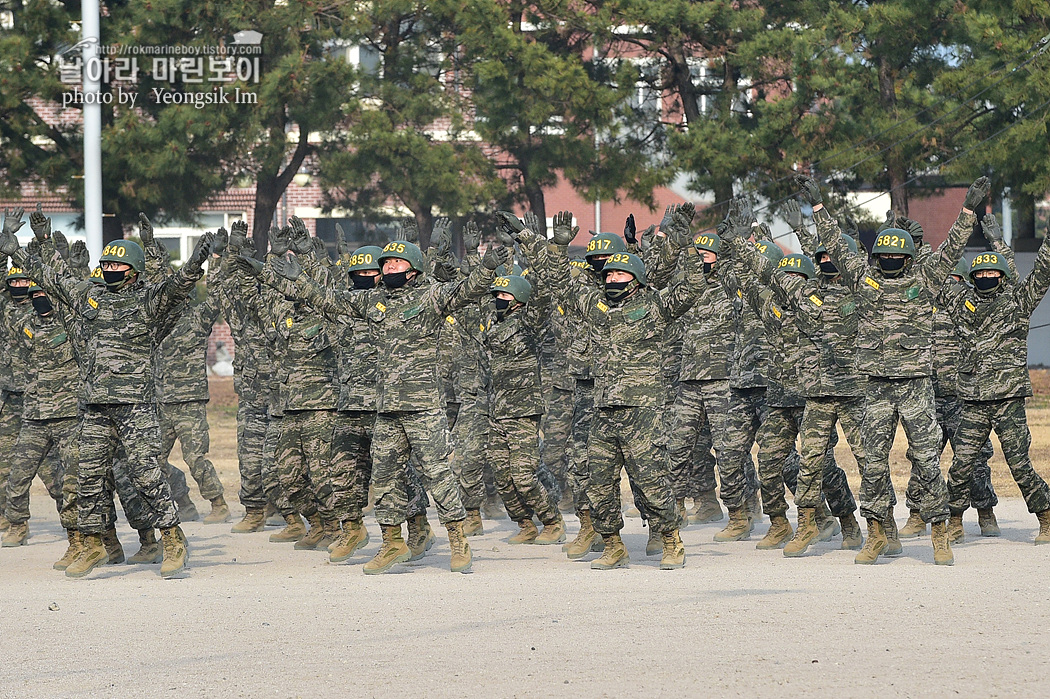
(936,268)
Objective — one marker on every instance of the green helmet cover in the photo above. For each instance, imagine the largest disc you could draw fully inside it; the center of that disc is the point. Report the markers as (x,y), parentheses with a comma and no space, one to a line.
(799,263)
(709,242)
(990,260)
(515,285)
(125,251)
(627,262)
(894,241)
(605,244)
(365,258)
(404,250)
(770,250)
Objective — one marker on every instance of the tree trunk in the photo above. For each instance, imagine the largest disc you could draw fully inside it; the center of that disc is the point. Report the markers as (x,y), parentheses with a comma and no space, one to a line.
(895,168)
(112,229)
(537,204)
(268,190)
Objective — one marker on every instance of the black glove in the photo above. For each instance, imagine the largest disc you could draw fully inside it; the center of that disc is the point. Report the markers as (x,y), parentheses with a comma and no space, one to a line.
(249,264)
(496,256)
(977,193)
(145,230)
(238,236)
(341,248)
(564,231)
(809,189)
(990,226)
(279,240)
(220,241)
(78,254)
(300,242)
(665,222)
(509,224)
(913,228)
(200,253)
(33,247)
(679,231)
(739,219)
(61,244)
(471,237)
(287,266)
(532,222)
(630,230)
(40,224)
(793,214)
(441,237)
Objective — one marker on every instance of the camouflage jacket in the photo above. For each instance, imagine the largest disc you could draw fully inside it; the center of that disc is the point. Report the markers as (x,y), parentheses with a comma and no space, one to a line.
(993,333)
(945,350)
(750,346)
(236,293)
(895,325)
(52,373)
(709,333)
(629,336)
(12,313)
(121,329)
(404,323)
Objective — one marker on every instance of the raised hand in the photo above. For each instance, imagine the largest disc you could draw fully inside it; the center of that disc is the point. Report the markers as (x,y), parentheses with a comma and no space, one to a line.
(471,237)
(809,189)
(341,248)
(977,193)
(12,222)
(238,236)
(990,226)
(441,237)
(630,230)
(496,256)
(78,254)
(40,224)
(220,241)
(679,231)
(300,242)
(793,214)
(279,240)
(287,266)
(564,231)
(532,222)
(410,232)
(249,264)
(61,244)
(145,229)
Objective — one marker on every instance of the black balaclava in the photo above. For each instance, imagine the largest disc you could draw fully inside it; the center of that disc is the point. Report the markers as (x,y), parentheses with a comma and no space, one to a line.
(986,285)
(364,281)
(708,266)
(616,291)
(501,307)
(395,280)
(114,278)
(596,264)
(18,292)
(828,269)
(891,267)
(42,305)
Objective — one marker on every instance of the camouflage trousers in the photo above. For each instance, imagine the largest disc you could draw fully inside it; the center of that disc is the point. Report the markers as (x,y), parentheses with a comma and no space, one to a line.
(118,483)
(622,438)
(188,422)
(515,456)
(744,413)
(138,431)
(982,494)
(698,414)
(271,484)
(910,402)
(556,431)
(818,475)
(305,466)
(779,465)
(351,453)
(470,435)
(252,421)
(582,417)
(396,438)
(35,440)
(10,425)
(1010,422)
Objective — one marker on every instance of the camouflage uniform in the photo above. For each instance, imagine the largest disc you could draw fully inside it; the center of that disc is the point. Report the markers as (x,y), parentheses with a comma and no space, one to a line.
(470,432)
(894,350)
(994,381)
(556,422)
(404,323)
(12,383)
(120,331)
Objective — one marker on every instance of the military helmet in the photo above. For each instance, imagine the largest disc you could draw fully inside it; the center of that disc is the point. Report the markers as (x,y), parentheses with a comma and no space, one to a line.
(364,258)
(605,244)
(517,286)
(33,288)
(404,250)
(770,250)
(96,277)
(848,240)
(708,241)
(962,269)
(894,241)
(990,260)
(799,263)
(627,262)
(16,273)
(125,251)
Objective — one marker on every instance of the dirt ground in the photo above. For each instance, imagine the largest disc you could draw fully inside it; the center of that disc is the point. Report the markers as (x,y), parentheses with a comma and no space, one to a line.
(254,619)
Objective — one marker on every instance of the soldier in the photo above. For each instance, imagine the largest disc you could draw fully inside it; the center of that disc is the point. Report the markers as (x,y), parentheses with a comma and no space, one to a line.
(404,316)
(14,305)
(992,320)
(119,390)
(628,320)
(896,296)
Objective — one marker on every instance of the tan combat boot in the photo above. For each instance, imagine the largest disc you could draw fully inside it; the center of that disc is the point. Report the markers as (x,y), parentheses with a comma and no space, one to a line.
(987,522)
(673,552)
(706,509)
(355,536)
(942,551)
(581,545)
(176,551)
(150,550)
(828,525)
(294,530)
(187,510)
(462,558)
(914,527)
(875,544)
(956,535)
(220,511)
(420,537)
(852,536)
(391,552)
(738,528)
(16,535)
(92,553)
(71,553)
(472,525)
(655,545)
(113,547)
(893,539)
(314,536)
(1043,537)
(553,533)
(805,535)
(614,555)
(254,521)
(778,535)
(527,535)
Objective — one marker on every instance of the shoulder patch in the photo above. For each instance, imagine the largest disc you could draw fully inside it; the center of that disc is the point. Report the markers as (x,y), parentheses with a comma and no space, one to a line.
(776,311)
(450,320)
(28,332)
(739,294)
(816,300)
(381,306)
(970,307)
(288,322)
(602,307)
(481,327)
(92,302)
(561,310)
(871,282)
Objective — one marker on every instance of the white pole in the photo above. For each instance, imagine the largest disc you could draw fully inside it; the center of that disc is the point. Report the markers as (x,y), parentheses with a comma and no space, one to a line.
(92,128)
